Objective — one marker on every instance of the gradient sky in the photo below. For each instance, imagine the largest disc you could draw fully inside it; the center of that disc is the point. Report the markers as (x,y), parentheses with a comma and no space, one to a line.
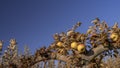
(33,22)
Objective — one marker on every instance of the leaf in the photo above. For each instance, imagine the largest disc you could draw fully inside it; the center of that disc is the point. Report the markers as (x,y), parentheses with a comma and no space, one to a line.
(89,31)
(115,25)
(96,20)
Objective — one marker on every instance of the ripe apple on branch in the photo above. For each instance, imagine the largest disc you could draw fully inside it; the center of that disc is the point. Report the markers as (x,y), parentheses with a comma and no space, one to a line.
(72,47)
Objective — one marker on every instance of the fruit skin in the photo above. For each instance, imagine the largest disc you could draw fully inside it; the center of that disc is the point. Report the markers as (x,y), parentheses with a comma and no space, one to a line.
(81,48)
(74,45)
(60,44)
(114,36)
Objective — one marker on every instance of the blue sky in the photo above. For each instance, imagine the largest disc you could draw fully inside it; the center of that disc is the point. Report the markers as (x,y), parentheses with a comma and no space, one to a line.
(33,22)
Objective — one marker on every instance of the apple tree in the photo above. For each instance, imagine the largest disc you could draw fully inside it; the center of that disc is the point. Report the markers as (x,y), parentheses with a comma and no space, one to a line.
(73,49)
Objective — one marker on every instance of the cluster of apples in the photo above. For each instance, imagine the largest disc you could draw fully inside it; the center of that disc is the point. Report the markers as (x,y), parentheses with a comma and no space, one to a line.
(74,45)
(80,47)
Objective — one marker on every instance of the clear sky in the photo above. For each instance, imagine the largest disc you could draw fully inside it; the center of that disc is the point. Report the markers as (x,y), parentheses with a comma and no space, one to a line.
(33,22)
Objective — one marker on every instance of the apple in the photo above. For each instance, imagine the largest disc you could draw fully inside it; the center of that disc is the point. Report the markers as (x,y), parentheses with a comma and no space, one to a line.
(81,48)
(74,45)
(60,44)
(114,36)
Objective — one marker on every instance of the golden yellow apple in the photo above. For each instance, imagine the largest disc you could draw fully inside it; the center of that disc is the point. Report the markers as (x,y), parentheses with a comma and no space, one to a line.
(60,44)
(74,45)
(81,48)
(114,36)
